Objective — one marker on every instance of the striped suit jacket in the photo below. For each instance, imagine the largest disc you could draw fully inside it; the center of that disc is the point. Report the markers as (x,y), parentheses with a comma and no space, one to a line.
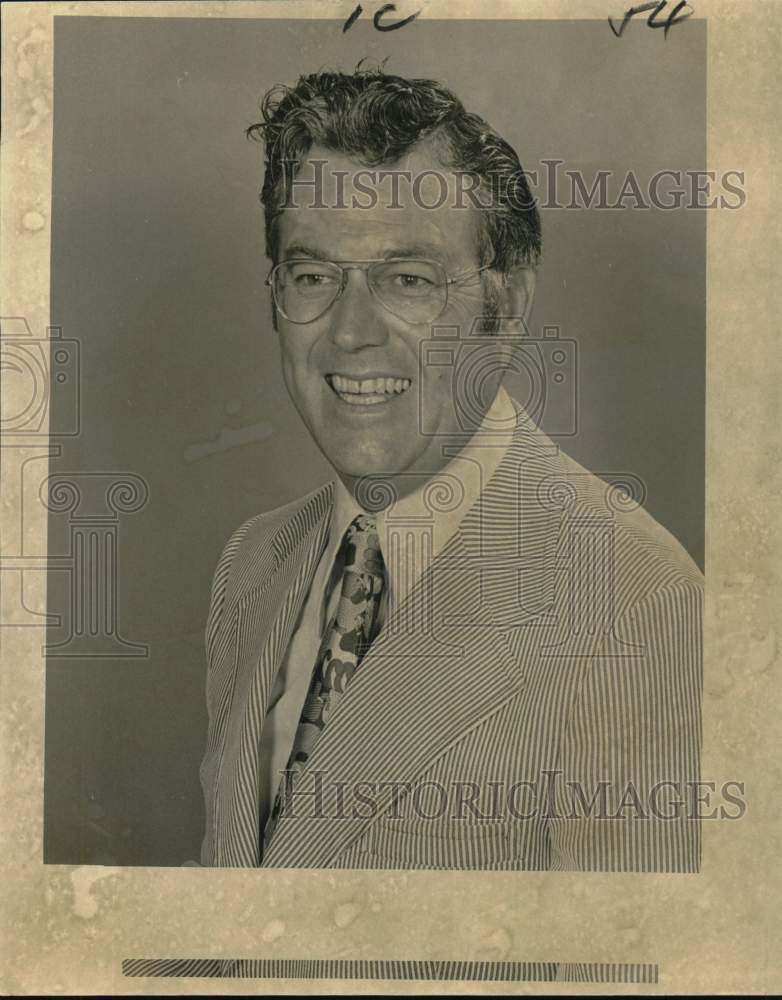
(534,703)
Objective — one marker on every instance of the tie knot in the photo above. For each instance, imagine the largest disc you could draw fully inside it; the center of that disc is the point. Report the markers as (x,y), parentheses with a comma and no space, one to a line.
(362,547)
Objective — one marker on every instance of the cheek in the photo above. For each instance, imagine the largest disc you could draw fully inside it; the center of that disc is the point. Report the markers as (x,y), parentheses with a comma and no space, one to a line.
(294,356)
(288,373)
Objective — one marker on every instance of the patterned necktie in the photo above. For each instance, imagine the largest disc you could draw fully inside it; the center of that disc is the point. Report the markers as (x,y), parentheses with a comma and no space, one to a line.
(345,642)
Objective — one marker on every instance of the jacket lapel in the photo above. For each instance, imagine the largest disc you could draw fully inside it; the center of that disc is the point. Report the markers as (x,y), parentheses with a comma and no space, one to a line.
(442,662)
(264,618)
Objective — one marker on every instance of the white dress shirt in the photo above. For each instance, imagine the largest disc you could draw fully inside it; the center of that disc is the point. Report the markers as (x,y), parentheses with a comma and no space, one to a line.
(413,529)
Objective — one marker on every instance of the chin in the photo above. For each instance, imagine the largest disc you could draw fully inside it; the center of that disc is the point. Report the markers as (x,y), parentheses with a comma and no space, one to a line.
(368,462)
(360,470)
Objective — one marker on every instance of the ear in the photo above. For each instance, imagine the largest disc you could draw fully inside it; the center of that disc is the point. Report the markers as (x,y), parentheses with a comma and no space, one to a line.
(517,293)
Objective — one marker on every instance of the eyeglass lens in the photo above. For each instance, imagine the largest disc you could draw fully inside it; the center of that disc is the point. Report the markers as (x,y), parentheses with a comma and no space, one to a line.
(414,290)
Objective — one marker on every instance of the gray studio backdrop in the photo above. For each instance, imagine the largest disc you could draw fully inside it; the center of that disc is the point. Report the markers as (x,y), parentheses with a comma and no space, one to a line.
(158,273)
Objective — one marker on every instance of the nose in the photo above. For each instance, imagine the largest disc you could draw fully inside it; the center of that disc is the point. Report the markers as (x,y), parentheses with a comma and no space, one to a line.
(356,318)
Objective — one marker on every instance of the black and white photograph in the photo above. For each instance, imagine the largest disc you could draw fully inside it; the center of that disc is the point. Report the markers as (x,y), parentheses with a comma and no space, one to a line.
(365,418)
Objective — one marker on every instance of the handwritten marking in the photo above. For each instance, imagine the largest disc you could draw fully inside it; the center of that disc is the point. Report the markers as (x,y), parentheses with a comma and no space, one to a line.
(377,20)
(352,19)
(656,7)
(386,8)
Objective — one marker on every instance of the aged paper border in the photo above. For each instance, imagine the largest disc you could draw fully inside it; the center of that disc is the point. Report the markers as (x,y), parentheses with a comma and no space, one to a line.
(67,929)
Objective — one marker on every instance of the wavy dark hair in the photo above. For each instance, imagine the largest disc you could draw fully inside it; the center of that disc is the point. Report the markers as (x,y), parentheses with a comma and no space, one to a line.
(378,117)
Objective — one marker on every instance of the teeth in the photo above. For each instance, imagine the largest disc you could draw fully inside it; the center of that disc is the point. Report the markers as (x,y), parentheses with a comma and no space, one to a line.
(363,398)
(372,388)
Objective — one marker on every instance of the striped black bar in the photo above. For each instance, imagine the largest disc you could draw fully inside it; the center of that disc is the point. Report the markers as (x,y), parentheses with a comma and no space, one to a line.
(329,968)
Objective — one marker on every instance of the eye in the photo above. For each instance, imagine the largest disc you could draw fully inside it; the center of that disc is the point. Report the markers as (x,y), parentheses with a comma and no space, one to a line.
(312,279)
(409,278)
(412,281)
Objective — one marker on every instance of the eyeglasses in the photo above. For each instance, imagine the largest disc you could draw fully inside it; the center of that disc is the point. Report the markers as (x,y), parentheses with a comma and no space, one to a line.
(412,289)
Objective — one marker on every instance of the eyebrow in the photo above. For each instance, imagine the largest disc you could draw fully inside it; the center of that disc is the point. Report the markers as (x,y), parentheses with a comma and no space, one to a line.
(302,250)
(429,250)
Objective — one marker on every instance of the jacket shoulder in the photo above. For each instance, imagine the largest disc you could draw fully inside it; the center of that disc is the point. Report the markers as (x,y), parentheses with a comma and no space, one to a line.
(261,541)
(641,557)
(253,550)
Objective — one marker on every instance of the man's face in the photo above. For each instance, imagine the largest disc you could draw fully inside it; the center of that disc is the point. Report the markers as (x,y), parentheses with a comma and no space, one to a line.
(358,339)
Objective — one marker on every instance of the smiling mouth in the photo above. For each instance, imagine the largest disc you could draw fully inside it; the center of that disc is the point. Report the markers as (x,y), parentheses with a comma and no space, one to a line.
(368,391)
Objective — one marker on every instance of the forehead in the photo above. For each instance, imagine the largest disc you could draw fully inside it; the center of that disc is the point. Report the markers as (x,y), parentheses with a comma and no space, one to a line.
(346,210)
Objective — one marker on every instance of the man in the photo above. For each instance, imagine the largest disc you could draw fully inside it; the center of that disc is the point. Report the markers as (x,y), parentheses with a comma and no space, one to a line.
(466,651)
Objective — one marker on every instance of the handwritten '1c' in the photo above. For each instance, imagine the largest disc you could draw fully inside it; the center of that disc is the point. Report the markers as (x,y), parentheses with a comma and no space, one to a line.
(377,20)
